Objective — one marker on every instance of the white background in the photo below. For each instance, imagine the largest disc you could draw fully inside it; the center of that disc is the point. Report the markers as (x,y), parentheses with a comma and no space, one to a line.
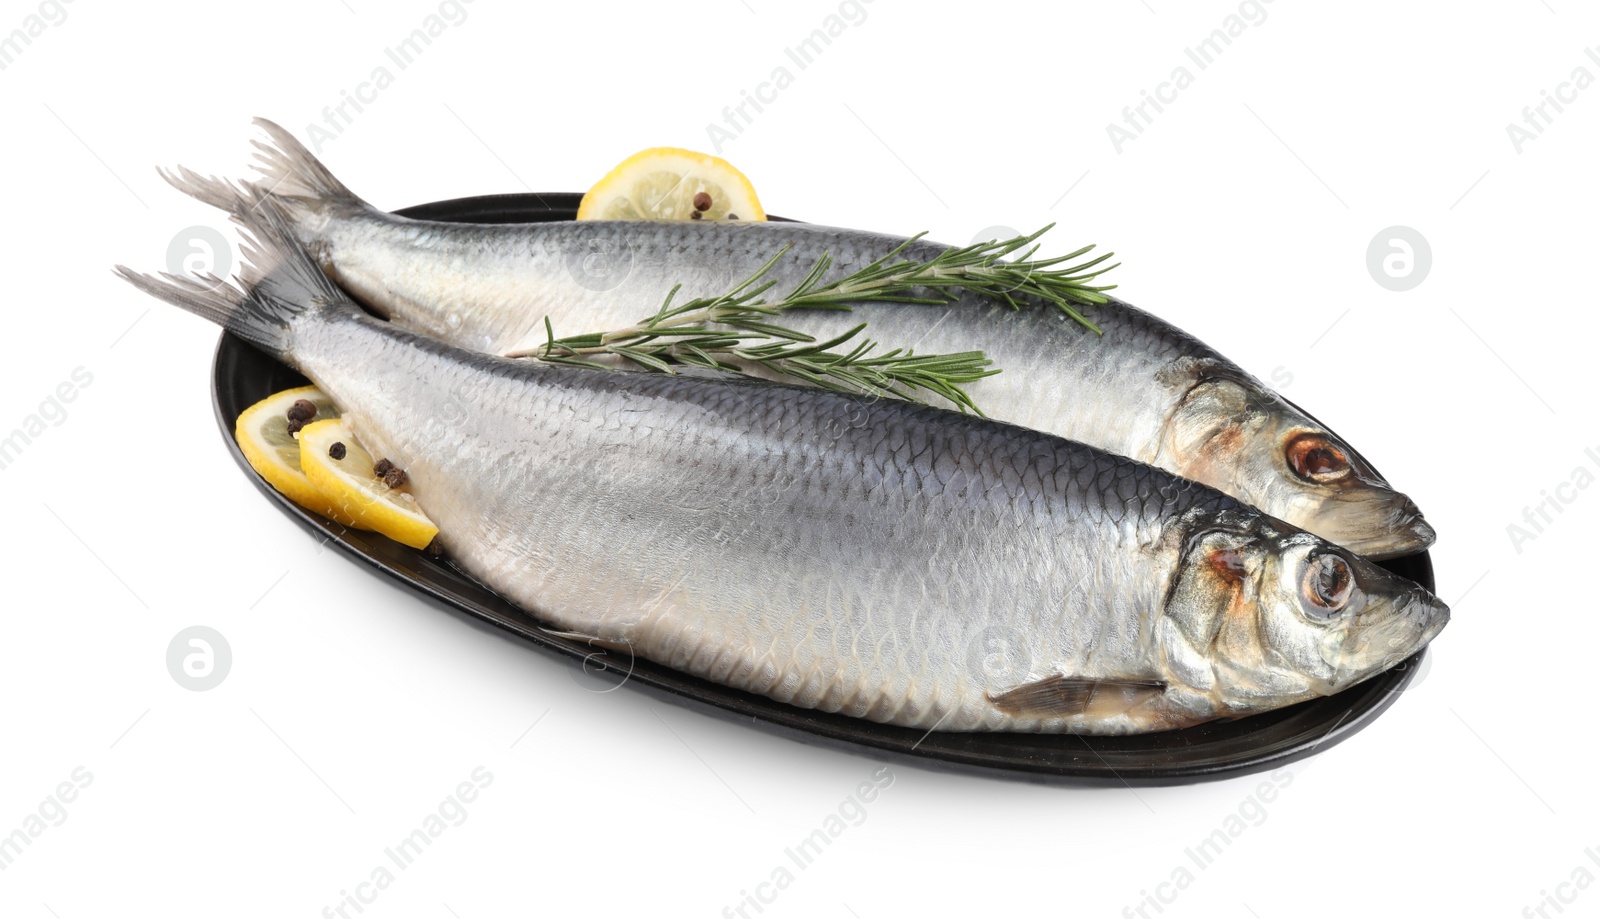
(1242,213)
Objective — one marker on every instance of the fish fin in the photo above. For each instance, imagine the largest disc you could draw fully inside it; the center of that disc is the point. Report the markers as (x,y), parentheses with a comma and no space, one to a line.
(219,193)
(593,641)
(1062,696)
(278,282)
(292,172)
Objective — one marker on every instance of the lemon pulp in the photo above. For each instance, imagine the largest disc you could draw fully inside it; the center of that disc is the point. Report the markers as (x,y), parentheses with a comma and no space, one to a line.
(262,433)
(342,471)
(670,183)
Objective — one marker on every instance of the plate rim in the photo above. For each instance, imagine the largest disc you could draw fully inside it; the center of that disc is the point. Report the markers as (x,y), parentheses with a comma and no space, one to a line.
(1369,699)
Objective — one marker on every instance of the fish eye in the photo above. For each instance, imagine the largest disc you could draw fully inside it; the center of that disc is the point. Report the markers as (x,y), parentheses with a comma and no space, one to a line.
(1314,458)
(1328,582)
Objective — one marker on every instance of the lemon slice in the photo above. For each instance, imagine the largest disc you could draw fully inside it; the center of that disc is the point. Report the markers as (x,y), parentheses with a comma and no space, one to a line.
(668,183)
(263,435)
(343,472)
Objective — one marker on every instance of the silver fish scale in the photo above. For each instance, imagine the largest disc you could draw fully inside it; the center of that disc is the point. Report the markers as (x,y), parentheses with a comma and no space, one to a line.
(880,559)
(499,284)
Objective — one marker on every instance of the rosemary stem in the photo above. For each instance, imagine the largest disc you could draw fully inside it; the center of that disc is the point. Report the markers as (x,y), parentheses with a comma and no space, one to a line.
(736,331)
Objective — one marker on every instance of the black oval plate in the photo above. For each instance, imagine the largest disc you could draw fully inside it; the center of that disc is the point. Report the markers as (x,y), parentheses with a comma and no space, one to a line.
(242,376)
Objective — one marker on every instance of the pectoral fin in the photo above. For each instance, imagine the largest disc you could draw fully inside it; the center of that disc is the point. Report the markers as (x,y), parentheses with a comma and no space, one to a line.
(1061,696)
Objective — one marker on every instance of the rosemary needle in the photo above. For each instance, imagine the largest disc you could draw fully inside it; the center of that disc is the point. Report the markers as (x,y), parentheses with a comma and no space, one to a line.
(736,330)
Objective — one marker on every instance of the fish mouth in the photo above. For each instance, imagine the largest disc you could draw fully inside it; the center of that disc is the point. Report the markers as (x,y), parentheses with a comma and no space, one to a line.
(1424,616)
(1404,532)
(1413,621)
(1429,613)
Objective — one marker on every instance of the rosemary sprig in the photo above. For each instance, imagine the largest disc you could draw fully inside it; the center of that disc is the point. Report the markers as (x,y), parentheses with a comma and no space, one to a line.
(980,268)
(899,373)
(735,330)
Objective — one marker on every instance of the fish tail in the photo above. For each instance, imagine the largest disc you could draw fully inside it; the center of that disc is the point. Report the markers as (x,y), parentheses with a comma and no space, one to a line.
(290,171)
(219,193)
(278,285)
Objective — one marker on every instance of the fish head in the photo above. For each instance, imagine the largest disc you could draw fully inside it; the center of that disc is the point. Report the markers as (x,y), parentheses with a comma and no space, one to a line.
(1261,614)
(1231,431)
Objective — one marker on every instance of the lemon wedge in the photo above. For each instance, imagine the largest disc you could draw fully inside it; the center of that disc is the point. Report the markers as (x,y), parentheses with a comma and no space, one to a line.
(343,472)
(669,183)
(262,432)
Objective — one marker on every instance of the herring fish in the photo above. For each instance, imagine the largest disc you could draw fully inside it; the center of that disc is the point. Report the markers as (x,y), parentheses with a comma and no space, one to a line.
(891,561)
(1145,389)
